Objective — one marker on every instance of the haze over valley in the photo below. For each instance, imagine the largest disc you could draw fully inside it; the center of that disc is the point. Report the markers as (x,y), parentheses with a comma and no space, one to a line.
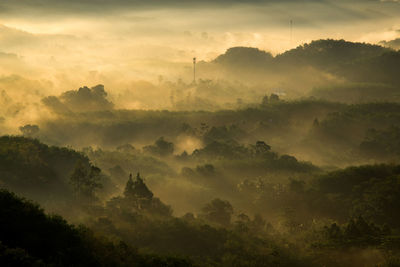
(187,133)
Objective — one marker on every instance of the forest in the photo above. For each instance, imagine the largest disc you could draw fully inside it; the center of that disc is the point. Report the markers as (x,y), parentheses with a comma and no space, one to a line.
(264,160)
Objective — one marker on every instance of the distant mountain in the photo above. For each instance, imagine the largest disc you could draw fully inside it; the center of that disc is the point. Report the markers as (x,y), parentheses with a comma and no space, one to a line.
(321,53)
(330,53)
(352,61)
(379,69)
(244,56)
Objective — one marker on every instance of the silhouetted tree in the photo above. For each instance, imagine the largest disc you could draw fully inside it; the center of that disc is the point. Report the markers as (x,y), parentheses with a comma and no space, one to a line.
(316,122)
(261,147)
(84,181)
(126,148)
(161,147)
(29,130)
(265,101)
(218,211)
(274,98)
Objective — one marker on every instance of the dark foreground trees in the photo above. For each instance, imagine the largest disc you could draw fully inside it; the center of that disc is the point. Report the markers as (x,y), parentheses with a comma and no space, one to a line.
(29,237)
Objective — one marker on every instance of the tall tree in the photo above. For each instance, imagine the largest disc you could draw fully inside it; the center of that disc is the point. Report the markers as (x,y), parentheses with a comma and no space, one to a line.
(85,180)
(218,211)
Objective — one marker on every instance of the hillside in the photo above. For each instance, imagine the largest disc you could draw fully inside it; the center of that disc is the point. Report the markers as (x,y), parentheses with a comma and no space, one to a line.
(44,173)
(29,237)
(343,60)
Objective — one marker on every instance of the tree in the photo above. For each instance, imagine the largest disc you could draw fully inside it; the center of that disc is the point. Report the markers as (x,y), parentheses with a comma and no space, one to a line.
(316,123)
(84,181)
(161,147)
(126,148)
(242,223)
(274,98)
(334,231)
(139,198)
(265,101)
(78,176)
(261,147)
(93,181)
(164,147)
(218,211)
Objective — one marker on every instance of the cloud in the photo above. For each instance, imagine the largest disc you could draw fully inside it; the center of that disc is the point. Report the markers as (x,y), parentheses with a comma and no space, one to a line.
(114,42)
(13,38)
(57,7)
(8,56)
(11,63)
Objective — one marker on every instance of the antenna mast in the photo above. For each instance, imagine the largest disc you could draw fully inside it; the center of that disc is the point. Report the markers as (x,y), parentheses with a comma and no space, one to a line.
(291,32)
(194,70)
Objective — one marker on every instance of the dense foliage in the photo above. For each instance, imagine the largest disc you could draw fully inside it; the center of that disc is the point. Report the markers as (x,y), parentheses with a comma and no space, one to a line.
(267,180)
(29,237)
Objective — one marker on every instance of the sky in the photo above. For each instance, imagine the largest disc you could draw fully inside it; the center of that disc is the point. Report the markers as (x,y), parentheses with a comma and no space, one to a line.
(73,42)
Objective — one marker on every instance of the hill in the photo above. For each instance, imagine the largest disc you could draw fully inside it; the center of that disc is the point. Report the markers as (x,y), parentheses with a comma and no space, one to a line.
(45,173)
(29,237)
(320,62)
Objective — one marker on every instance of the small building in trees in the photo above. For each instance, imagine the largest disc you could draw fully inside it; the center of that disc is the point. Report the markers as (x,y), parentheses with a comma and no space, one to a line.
(139,198)
(137,189)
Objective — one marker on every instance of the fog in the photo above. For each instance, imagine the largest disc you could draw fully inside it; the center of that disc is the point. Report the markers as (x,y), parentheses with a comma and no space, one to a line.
(79,43)
(279,149)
